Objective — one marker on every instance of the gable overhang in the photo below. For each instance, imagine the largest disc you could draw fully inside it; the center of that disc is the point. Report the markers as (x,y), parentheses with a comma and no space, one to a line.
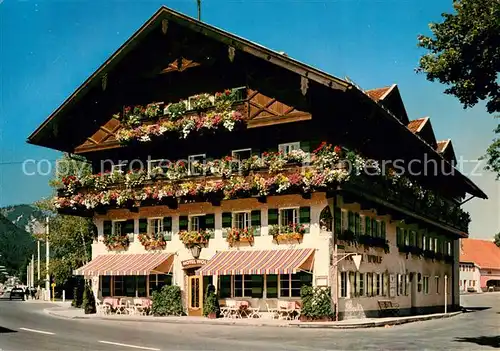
(164,13)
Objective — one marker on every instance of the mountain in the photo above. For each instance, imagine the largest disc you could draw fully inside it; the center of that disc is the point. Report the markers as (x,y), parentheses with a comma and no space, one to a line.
(26,217)
(16,246)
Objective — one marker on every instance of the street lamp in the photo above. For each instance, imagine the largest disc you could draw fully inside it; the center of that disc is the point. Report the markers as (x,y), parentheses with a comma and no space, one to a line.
(195,251)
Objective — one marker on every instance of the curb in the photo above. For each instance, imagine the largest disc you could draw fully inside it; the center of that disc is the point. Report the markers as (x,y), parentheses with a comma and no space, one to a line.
(53,312)
(378,324)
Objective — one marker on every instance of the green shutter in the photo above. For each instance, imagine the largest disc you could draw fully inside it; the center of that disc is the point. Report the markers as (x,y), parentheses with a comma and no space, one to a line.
(227,220)
(383,229)
(129,226)
(167,224)
(374,228)
(272,216)
(209,221)
(398,236)
(210,224)
(227,223)
(357,224)
(167,228)
(368,226)
(107,228)
(350,221)
(305,215)
(255,222)
(338,220)
(143,225)
(183,223)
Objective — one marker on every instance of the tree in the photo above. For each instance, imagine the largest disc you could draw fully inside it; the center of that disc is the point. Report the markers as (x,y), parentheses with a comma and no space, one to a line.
(70,237)
(497,239)
(464,54)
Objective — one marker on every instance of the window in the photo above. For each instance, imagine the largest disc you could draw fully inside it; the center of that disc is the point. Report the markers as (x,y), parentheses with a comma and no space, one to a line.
(435,245)
(288,216)
(241,155)
(158,281)
(118,167)
(406,237)
(436,282)
(242,220)
(191,159)
(326,219)
(385,284)
(377,278)
(407,284)
(357,224)
(248,285)
(290,284)
(124,227)
(286,148)
(431,244)
(350,222)
(224,286)
(368,226)
(375,228)
(105,285)
(400,285)
(118,288)
(426,285)
(272,286)
(383,229)
(424,242)
(369,284)
(343,284)
(448,248)
(360,283)
(156,227)
(157,164)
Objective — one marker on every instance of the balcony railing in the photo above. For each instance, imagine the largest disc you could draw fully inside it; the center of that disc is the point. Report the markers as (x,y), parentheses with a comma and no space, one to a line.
(270,174)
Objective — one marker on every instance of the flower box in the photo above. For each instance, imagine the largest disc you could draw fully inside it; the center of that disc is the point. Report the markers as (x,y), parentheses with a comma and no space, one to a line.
(192,238)
(114,243)
(150,243)
(235,235)
(288,237)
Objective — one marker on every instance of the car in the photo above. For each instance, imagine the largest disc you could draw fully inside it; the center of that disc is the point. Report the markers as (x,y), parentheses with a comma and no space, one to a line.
(16,293)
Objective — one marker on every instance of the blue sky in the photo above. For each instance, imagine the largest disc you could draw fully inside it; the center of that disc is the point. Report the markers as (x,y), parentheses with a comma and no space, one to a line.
(47,49)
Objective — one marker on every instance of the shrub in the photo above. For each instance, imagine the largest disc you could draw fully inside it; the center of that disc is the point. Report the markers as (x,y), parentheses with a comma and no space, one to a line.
(211,303)
(77,296)
(88,303)
(167,301)
(316,302)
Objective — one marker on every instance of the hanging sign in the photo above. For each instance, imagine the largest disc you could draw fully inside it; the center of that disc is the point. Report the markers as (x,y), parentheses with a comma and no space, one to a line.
(193,263)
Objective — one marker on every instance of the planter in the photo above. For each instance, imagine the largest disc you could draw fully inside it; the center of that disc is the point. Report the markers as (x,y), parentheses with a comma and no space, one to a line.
(288,237)
(212,315)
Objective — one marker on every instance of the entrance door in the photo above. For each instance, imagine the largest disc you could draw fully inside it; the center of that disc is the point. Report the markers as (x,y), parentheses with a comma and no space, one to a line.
(195,295)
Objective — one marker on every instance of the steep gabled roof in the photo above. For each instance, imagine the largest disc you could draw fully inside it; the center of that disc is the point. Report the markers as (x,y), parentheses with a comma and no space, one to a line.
(416,125)
(390,97)
(483,253)
(445,148)
(379,93)
(239,43)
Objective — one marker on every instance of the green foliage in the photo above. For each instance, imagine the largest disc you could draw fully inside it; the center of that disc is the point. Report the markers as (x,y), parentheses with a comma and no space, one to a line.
(88,302)
(316,302)
(211,303)
(493,154)
(464,54)
(497,239)
(16,247)
(167,302)
(77,296)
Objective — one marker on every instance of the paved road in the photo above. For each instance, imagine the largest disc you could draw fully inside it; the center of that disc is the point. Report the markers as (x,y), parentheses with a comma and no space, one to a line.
(24,326)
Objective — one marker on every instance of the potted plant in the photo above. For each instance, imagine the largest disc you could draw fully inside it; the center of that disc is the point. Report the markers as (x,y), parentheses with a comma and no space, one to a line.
(211,307)
(239,235)
(191,238)
(116,242)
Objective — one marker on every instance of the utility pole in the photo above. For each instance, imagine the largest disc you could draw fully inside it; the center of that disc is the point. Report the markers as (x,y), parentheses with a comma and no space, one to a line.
(38,264)
(47,254)
(199,9)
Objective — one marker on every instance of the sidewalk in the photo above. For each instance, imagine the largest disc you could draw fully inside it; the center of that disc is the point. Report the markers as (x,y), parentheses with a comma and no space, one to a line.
(74,313)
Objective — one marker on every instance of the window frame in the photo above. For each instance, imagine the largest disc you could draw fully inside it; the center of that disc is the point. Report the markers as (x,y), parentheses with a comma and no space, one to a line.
(113,229)
(235,152)
(155,234)
(425,284)
(191,159)
(296,215)
(284,146)
(248,219)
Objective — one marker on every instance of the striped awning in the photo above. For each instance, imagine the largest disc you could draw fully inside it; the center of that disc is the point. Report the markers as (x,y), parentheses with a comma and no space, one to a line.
(259,262)
(127,264)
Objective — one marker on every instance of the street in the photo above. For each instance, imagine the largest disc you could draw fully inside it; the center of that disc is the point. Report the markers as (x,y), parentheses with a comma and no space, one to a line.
(24,326)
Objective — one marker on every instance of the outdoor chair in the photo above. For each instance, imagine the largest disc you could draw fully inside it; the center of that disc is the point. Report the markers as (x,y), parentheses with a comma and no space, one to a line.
(272,311)
(102,308)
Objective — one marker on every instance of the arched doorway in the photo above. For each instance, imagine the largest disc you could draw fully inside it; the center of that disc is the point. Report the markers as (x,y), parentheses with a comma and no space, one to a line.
(326,220)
